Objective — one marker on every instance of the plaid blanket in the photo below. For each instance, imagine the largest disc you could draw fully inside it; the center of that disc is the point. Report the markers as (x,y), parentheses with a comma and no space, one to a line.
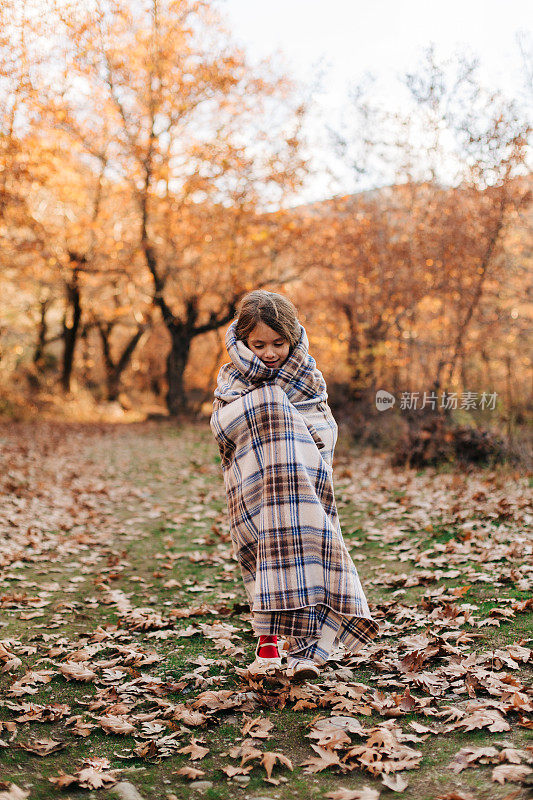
(276,436)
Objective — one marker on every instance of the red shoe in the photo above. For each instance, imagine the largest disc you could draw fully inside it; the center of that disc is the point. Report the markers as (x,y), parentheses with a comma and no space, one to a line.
(272,659)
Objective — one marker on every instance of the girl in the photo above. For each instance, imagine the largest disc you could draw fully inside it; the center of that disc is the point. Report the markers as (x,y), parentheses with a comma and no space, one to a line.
(276,435)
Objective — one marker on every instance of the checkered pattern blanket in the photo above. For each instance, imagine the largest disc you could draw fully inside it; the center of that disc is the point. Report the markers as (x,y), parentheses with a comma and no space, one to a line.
(276,435)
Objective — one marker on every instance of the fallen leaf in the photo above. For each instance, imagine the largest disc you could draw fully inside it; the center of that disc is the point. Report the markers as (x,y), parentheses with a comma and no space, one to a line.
(76,671)
(42,747)
(366,793)
(196,751)
(189,772)
(515,773)
(231,771)
(395,782)
(10,791)
(326,758)
(270,758)
(112,724)
(257,728)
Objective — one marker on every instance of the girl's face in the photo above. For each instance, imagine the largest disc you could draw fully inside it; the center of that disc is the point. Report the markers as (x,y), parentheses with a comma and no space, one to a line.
(268,345)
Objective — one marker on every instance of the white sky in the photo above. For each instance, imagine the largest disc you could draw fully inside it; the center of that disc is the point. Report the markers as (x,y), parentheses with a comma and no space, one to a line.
(384,37)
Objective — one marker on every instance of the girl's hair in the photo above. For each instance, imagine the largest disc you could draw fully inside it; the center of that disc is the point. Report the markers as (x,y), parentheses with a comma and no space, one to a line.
(271,308)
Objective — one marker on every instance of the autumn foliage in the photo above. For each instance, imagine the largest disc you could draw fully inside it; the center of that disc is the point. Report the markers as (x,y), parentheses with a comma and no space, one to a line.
(149,178)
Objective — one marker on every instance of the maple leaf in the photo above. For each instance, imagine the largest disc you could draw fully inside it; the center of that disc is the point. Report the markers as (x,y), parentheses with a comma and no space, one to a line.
(422,728)
(217,700)
(188,716)
(349,724)
(332,738)
(382,737)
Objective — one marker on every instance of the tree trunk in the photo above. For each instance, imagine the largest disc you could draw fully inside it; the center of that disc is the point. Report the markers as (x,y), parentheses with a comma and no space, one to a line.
(114,369)
(375,336)
(38,355)
(70,329)
(177,358)
(354,354)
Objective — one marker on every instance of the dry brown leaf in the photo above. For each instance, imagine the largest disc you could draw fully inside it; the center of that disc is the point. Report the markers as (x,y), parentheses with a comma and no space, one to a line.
(416,726)
(326,758)
(91,778)
(63,779)
(395,782)
(10,791)
(366,793)
(257,728)
(456,796)
(231,771)
(42,747)
(515,773)
(196,751)
(76,671)
(189,772)
(246,751)
(112,724)
(270,758)
(467,756)
(78,726)
(483,718)
(514,756)
(11,661)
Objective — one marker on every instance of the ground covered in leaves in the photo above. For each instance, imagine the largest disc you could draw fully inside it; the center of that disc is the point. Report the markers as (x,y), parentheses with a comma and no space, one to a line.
(125,636)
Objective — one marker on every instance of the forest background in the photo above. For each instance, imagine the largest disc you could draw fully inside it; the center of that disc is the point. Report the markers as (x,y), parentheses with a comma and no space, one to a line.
(150,176)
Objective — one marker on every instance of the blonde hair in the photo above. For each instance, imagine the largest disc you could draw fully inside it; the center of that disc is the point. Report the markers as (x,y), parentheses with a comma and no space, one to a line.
(273,309)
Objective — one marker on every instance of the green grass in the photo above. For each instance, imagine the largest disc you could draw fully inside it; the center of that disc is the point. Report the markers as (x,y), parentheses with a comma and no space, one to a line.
(180,509)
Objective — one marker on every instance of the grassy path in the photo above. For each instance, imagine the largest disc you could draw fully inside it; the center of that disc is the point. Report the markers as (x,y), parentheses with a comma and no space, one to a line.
(124,631)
